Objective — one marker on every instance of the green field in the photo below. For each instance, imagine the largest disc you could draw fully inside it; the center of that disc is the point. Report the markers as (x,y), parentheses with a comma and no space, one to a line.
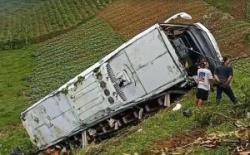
(15,67)
(62,58)
(42,68)
(7,6)
(13,85)
(31,21)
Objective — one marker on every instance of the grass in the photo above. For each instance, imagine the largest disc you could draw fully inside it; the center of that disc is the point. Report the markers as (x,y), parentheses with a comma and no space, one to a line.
(28,74)
(17,138)
(224,5)
(15,68)
(228,6)
(28,21)
(167,124)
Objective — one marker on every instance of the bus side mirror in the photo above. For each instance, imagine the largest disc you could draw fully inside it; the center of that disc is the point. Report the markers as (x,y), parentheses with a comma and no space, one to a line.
(183,15)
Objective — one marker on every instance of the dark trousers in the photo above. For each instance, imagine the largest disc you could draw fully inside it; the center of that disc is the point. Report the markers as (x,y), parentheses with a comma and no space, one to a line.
(228,91)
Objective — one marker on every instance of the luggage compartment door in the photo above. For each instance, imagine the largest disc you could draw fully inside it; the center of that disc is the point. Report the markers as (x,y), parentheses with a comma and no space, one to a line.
(51,120)
(125,80)
(152,61)
(88,99)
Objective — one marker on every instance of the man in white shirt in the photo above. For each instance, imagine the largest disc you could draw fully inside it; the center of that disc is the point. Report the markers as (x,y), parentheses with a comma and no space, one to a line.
(203,80)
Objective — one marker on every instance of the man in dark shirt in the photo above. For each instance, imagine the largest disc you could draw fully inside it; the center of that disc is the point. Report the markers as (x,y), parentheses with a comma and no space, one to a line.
(223,76)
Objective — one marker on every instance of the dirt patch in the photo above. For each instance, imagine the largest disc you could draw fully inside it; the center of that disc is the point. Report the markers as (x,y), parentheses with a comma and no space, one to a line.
(3,135)
(239,9)
(169,145)
(129,18)
(237,140)
(6,132)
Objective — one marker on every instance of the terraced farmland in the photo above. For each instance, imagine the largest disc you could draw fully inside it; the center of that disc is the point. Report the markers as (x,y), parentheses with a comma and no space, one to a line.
(35,22)
(44,68)
(60,59)
(131,17)
(7,6)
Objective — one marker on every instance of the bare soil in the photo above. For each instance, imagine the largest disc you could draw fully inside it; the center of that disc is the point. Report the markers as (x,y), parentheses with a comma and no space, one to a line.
(239,9)
(129,18)
(169,145)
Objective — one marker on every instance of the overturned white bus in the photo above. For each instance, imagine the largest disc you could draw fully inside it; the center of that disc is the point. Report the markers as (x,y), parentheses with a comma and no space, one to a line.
(115,90)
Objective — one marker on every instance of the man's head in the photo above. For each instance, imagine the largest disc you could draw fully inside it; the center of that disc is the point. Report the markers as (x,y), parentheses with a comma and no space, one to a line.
(204,63)
(226,60)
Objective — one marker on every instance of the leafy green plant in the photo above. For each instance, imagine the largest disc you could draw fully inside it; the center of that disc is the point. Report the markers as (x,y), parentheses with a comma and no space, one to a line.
(23,23)
(69,55)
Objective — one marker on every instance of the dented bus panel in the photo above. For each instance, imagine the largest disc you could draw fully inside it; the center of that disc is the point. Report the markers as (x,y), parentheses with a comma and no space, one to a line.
(152,62)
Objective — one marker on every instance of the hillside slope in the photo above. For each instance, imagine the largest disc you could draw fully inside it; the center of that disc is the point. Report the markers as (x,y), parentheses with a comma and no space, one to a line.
(31,72)
(62,58)
(130,17)
(49,65)
(171,132)
(28,21)
(15,67)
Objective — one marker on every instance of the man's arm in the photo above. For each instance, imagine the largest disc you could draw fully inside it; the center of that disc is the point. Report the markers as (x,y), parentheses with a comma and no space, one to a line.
(229,79)
(210,78)
(196,79)
(211,82)
(216,78)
